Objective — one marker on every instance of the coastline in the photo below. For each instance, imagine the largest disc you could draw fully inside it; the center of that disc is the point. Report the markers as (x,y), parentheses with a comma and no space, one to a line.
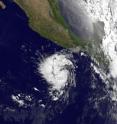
(44,18)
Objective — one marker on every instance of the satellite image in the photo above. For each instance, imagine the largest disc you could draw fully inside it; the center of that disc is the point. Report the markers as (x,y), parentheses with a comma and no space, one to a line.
(58,62)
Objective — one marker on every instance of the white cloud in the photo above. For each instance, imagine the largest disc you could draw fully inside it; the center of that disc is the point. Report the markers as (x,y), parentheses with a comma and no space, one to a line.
(106,11)
(17,100)
(55,70)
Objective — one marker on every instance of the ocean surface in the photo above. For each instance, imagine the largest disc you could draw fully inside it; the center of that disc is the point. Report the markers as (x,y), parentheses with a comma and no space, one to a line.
(20,52)
(20,48)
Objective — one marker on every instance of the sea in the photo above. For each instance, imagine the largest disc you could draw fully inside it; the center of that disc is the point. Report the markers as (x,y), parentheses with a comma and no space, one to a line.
(21,49)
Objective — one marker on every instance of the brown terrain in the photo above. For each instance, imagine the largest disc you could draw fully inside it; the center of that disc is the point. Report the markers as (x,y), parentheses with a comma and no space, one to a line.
(2,5)
(42,21)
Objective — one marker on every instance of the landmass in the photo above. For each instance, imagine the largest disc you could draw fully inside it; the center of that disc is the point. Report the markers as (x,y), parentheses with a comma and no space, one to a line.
(2,5)
(45,18)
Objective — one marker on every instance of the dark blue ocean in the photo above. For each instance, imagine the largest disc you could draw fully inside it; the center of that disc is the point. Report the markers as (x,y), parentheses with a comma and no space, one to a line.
(20,48)
(20,51)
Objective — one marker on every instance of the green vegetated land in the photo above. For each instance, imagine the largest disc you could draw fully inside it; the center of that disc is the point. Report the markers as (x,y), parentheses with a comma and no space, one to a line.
(45,18)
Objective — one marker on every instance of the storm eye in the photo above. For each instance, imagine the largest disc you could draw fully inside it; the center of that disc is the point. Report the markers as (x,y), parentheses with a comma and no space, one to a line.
(56,70)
